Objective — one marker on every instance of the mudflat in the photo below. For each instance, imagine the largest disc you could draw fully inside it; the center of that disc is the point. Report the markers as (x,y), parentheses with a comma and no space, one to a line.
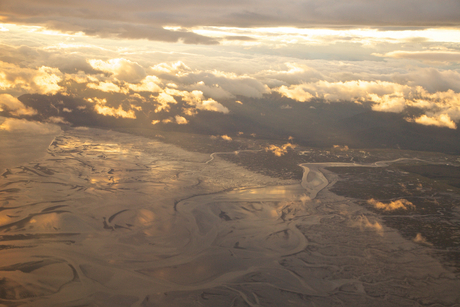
(112,219)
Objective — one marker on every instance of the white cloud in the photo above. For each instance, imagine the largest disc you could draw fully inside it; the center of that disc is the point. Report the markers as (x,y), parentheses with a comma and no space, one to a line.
(122,69)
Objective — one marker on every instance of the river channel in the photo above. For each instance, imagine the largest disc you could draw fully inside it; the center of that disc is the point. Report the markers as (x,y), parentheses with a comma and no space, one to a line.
(109,219)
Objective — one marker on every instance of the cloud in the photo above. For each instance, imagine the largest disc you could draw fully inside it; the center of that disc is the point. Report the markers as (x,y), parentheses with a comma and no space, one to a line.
(101,108)
(363,223)
(122,69)
(181,120)
(148,84)
(14,106)
(105,87)
(431,56)
(356,90)
(440,108)
(280,151)
(145,20)
(16,79)
(164,100)
(196,99)
(33,127)
(226,137)
(402,204)
(420,239)
(442,120)
(57,120)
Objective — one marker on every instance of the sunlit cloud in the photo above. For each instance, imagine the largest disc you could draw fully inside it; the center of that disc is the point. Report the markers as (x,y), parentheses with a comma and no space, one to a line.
(363,223)
(400,204)
(14,106)
(148,84)
(30,127)
(122,69)
(44,80)
(442,120)
(105,87)
(101,108)
(431,56)
(442,108)
(280,150)
(421,239)
(181,120)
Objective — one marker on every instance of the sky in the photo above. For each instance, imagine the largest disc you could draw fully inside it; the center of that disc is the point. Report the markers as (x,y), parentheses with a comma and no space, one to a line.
(171,60)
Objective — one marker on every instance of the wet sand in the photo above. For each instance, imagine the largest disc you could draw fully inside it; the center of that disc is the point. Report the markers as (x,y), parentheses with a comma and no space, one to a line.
(110,219)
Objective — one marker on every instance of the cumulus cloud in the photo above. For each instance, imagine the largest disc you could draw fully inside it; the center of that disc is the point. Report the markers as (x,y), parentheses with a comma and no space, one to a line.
(105,87)
(181,120)
(400,204)
(441,108)
(101,108)
(122,69)
(363,223)
(14,106)
(164,100)
(280,150)
(33,127)
(442,120)
(196,99)
(44,80)
(148,84)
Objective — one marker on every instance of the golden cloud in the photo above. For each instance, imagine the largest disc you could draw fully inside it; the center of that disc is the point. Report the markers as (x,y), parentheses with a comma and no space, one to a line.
(43,80)
(442,108)
(180,120)
(22,125)
(101,108)
(442,120)
(280,151)
(105,87)
(14,106)
(122,69)
(164,100)
(148,84)
(403,204)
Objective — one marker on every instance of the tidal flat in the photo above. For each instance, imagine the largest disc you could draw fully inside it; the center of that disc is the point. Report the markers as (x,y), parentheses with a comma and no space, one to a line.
(113,219)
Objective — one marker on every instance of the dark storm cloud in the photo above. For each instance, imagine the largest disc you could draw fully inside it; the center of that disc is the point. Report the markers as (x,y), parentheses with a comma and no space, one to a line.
(142,19)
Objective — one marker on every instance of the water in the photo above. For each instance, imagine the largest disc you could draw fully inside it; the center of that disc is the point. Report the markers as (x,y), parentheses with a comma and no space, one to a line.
(109,219)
